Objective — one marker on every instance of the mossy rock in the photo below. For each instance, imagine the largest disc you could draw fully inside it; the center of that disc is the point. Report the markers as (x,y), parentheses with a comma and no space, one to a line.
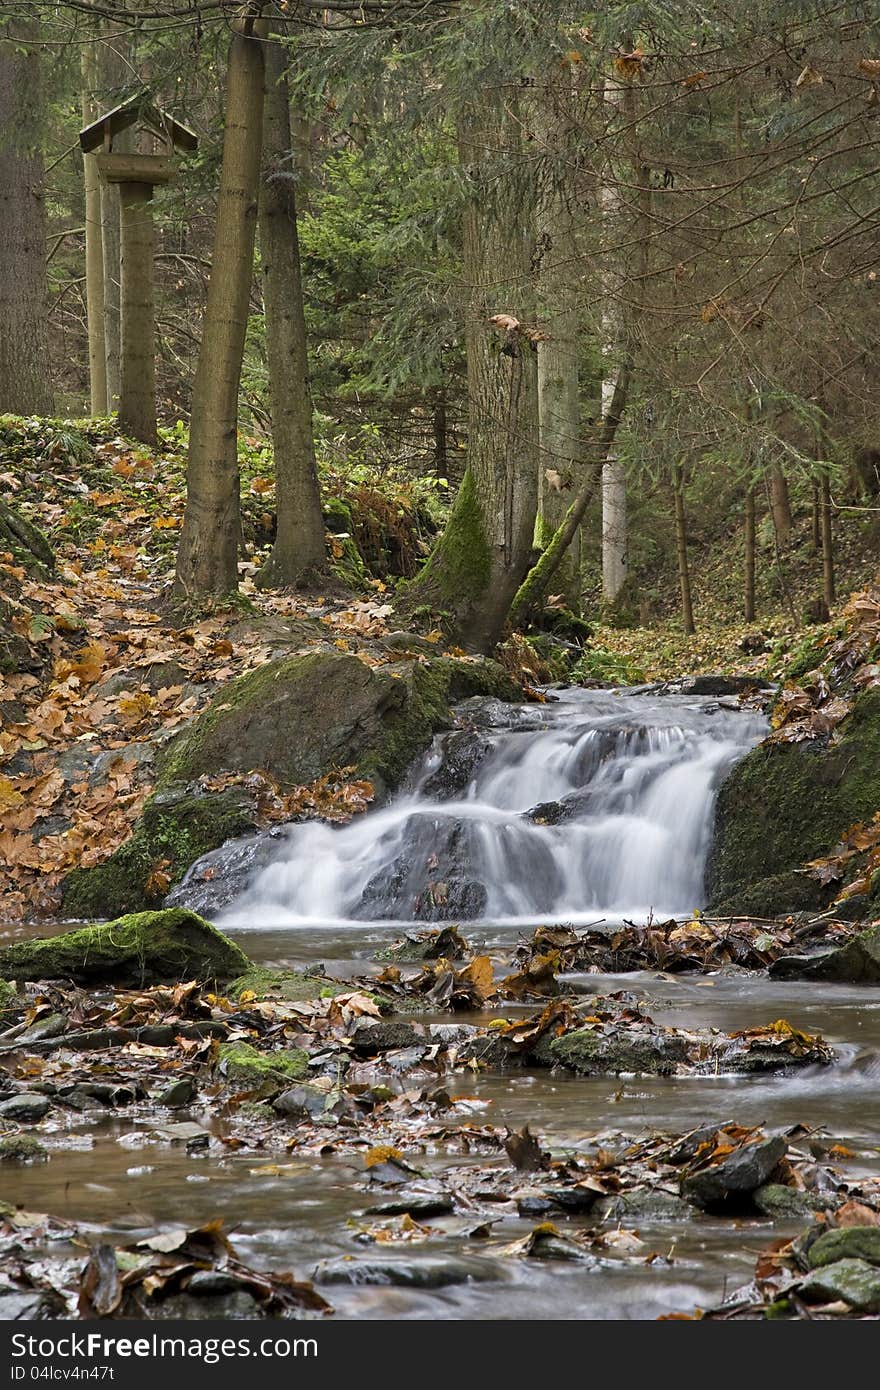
(775,897)
(143,948)
(264,983)
(857,961)
(344,713)
(265,1072)
(9,1000)
(177,827)
(786,803)
(592,1053)
(21,1148)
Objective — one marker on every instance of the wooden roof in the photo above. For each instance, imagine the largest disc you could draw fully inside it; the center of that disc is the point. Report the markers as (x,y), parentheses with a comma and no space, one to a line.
(138,110)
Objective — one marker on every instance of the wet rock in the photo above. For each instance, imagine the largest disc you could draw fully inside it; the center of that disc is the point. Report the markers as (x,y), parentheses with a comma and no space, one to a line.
(431,875)
(142,948)
(687,1147)
(178,825)
(217,878)
(26,1107)
(782,1203)
(300,1103)
(50,1026)
(21,1148)
(719,685)
(211,1281)
(416,1203)
(345,714)
(573,1200)
(461,754)
(265,1072)
(178,1094)
(856,962)
(369,1039)
(853,1281)
(430,945)
(422,1272)
(592,1053)
(846,1243)
(533,1206)
(29,1305)
(292,985)
(736,1177)
(643,1206)
(237,1306)
(786,803)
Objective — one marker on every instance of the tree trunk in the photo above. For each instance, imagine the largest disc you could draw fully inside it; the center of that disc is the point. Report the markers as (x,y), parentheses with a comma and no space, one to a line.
(815,520)
(531,592)
(94,242)
(681,542)
(440,431)
(207,559)
(299,541)
(24,341)
(113,76)
(750,555)
(780,504)
(561,466)
(828,588)
(137,384)
(614,508)
(484,552)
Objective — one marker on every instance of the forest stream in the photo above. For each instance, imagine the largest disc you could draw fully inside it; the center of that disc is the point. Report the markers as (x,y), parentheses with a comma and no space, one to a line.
(593,809)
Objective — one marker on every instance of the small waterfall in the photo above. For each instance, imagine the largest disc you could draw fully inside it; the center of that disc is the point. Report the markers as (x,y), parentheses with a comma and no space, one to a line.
(597,805)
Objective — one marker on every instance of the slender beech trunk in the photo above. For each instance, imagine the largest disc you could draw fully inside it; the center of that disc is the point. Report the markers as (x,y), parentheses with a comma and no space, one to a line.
(113,77)
(439,427)
(299,542)
(558,378)
(94,241)
(207,559)
(614,510)
(537,583)
(484,552)
(780,504)
(750,555)
(681,543)
(24,338)
(828,588)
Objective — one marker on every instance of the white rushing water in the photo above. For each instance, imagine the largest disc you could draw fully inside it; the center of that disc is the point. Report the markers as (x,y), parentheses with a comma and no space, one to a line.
(597,806)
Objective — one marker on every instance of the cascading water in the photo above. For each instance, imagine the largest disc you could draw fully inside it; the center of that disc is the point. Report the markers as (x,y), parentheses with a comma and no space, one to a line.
(598,804)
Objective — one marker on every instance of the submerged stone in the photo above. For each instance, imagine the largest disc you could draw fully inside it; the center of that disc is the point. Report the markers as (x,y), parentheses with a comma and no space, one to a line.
(422,1272)
(142,948)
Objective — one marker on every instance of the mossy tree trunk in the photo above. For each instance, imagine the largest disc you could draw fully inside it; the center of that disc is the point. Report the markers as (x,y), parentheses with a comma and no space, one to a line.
(681,545)
(207,558)
(749,523)
(299,543)
(561,462)
(828,585)
(485,550)
(25,386)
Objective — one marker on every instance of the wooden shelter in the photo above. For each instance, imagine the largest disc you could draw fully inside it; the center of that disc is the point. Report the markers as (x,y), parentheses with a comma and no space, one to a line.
(137,173)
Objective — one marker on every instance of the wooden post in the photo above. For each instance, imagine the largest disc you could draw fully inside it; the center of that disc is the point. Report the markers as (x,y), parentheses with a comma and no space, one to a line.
(137,391)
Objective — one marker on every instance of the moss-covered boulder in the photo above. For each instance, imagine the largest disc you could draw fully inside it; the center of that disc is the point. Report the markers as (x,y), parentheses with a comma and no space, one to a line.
(143,948)
(786,803)
(265,1072)
(261,982)
(857,962)
(177,826)
(299,718)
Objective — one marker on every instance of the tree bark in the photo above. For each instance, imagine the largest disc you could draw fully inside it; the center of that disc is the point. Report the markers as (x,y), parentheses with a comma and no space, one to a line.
(681,543)
(112,75)
(561,465)
(780,504)
(94,242)
(815,520)
(484,552)
(828,586)
(750,555)
(207,559)
(299,543)
(24,340)
(532,591)
(137,386)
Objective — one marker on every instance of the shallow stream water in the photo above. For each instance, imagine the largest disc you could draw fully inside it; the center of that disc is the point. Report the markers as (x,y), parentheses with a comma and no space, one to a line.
(638,842)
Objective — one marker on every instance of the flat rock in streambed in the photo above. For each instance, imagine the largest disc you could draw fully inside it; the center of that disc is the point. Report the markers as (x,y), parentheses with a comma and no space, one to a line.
(418,1272)
(736,1176)
(144,948)
(856,962)
(27,1107)
(643,1205)
(783,1203)
(853,1281)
